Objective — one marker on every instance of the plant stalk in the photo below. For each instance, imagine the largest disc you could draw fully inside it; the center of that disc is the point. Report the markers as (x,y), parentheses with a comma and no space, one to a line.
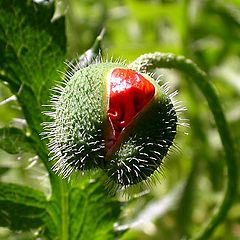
(152,61)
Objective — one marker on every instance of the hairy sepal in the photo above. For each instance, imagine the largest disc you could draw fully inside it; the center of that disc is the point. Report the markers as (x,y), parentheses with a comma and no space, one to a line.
(145,144)
(79,118)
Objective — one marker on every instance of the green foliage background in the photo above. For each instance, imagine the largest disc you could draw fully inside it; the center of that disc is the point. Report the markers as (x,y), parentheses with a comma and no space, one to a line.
(33,48)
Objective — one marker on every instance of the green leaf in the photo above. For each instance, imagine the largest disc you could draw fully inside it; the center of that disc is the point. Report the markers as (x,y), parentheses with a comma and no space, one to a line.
(14,140)
(87,212)
(91,208)
(21,208)
(32,50)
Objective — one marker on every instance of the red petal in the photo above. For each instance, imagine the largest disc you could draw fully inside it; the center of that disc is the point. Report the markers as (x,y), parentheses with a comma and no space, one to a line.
(129,92)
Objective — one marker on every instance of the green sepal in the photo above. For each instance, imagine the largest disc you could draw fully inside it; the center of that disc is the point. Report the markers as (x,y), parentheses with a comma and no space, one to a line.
(79,113)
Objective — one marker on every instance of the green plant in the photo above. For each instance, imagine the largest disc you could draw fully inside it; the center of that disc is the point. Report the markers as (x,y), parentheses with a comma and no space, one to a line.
(31,51)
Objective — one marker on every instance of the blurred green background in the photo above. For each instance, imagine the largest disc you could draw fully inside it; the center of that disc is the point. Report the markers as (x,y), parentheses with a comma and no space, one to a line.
(208,32)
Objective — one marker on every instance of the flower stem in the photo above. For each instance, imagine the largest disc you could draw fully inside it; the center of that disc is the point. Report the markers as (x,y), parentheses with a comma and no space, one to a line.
(151,61)
(64,210)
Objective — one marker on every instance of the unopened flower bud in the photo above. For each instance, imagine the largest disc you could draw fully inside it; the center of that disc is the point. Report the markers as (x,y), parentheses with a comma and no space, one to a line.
(111,117)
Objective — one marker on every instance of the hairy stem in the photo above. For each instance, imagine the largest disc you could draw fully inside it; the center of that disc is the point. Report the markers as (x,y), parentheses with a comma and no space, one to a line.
(151,61)
(64,210)
(60,194)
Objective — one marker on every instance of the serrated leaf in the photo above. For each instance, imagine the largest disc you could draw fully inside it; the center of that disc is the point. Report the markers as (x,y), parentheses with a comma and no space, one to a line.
(92,212)
(14,140)
(87,211)
(32,50)
(22,208)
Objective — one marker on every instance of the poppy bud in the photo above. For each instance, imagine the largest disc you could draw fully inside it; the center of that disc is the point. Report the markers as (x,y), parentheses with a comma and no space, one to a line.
(110,117)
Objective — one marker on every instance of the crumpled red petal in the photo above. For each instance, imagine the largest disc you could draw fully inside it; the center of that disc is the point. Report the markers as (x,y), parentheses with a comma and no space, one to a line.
(128,93)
